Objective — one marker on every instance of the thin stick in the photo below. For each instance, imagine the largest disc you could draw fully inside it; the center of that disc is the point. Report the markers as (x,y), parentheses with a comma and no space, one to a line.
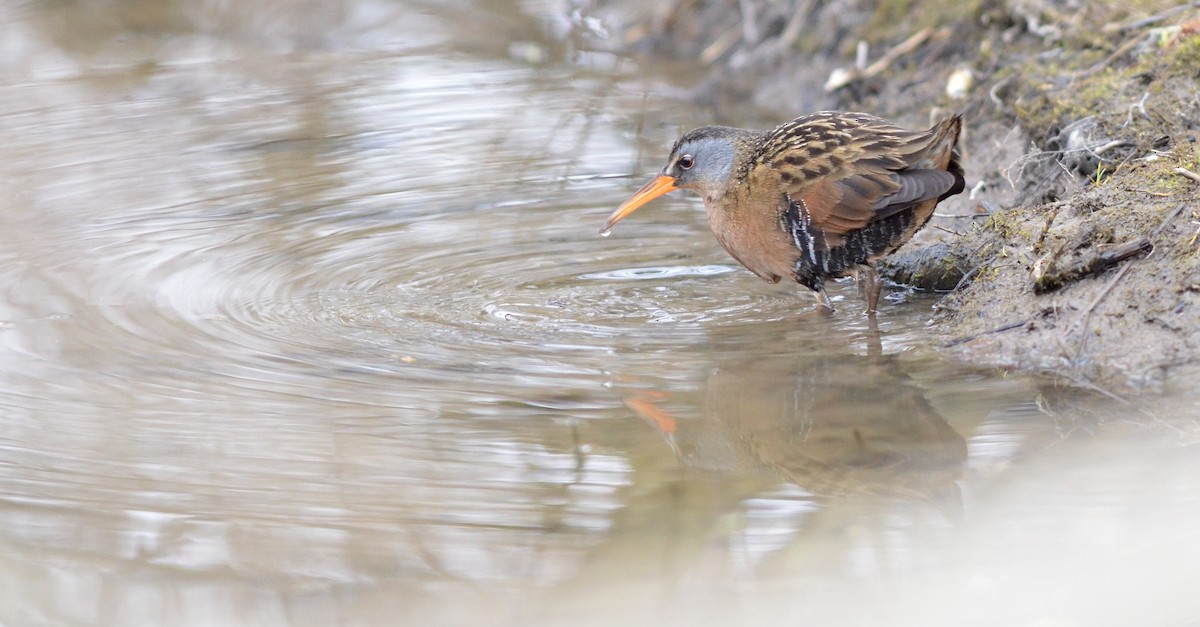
(901,49)
(1096,388)
(841,77)
(1188,174)
(1125,47)
(1000,329)
(1178,210)
(1154,19)
(1086,314)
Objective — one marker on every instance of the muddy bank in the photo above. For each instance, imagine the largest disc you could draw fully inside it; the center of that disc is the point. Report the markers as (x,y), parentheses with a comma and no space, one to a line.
(1076,251)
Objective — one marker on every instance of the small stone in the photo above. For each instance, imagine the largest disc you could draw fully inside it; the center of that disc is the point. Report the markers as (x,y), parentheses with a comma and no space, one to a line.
(960,82)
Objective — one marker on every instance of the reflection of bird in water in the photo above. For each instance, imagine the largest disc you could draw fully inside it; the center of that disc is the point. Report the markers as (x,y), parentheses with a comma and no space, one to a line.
(836,424)
(833,425)
(820,197)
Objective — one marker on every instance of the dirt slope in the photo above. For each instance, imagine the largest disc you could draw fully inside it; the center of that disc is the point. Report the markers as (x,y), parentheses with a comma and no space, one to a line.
(1077,251)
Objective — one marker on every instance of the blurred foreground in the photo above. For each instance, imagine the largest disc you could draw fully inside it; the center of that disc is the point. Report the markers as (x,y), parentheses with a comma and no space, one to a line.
(304,321)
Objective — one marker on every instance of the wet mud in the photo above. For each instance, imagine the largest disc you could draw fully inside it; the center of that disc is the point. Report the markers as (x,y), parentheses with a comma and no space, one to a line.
(1076,251)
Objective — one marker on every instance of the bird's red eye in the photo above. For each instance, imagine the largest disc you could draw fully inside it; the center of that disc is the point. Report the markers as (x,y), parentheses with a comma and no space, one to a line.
(686,162)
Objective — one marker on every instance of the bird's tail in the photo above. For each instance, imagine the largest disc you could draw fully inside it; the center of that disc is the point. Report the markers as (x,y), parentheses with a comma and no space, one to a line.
(941,153)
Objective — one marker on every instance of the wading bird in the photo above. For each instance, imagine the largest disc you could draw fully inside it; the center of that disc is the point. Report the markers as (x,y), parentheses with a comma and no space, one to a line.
(820,197)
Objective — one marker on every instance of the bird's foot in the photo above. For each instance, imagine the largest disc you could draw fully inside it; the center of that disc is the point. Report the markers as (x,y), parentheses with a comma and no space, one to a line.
(871,285)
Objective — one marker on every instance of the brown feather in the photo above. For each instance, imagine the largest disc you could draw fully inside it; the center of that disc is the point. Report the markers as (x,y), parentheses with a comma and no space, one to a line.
(845,167)
(821,196)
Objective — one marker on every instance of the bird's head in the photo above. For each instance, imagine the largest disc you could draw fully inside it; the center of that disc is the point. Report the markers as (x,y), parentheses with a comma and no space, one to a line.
(702,161)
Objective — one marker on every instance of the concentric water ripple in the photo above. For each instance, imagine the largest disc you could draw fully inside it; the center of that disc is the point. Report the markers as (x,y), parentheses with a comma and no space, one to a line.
(305,320)
(394,254)
(425,295)
(310,322)
(247,343)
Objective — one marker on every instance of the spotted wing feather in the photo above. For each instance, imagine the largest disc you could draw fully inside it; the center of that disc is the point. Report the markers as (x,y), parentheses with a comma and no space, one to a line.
(850,170)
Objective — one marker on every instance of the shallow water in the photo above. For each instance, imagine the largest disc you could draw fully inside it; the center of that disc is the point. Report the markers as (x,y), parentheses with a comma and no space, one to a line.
(304,319)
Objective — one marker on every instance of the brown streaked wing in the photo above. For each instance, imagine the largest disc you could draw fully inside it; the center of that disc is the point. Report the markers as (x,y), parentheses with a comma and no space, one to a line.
(847,169)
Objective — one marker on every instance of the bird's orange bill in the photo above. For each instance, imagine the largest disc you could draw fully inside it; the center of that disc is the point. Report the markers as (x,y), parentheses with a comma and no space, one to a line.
(655,188)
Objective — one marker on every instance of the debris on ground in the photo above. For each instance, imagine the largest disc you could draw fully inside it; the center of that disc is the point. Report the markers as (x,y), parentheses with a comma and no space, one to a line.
(1076,250)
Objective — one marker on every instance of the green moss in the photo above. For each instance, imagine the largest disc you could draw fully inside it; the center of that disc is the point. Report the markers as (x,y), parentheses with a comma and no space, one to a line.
(1101,87)
(1045,106)
(1185,58)
(904,17)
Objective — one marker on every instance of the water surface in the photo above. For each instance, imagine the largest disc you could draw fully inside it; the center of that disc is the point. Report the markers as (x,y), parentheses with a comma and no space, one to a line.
(304,319)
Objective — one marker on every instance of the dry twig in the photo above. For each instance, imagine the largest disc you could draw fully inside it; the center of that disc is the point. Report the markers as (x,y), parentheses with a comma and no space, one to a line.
(841,77)
(1000,329)
(1154,19)
(1188,174)
(1085,315)
(1049,277)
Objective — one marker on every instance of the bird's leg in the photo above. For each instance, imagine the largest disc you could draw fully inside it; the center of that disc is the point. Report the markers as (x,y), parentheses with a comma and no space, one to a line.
(823,298)
(874,341)
(871,285)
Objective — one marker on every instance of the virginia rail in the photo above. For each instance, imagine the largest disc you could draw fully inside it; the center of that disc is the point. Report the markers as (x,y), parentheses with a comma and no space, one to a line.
(820,197)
